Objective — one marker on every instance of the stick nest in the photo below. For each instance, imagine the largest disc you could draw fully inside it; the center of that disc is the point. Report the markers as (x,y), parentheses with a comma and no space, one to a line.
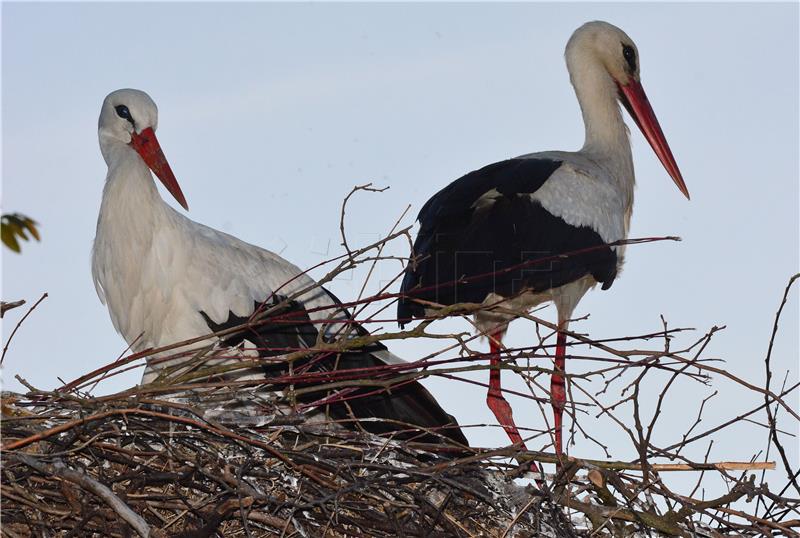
(83,467)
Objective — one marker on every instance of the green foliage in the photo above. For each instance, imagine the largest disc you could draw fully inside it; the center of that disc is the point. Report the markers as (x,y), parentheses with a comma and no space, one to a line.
(15,226)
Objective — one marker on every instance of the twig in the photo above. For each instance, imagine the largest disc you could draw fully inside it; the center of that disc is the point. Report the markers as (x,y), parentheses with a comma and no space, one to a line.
(5,348)
(770,417)
(57,468)
(6,306)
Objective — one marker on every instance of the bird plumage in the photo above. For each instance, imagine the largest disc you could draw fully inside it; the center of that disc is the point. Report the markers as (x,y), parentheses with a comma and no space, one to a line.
(157,270)
(166,279)
(481,236)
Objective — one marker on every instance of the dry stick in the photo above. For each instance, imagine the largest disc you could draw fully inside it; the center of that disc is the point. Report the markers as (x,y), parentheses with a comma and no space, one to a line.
(119,358)
(59,469)
(465,308)
(350,261)
(786,507)
(697,505)
(718,466)
(703,474)
(662,395)
(637,466)
(344,265)
(233,330)
(721,466)
(24,497)
(771,418)
(518,516)
(697,420)
(660,523)
(366,187)
(258,318)
(644,441)
(21,443)
(792,476)
(5,348)
(672,355)
(550,457)
(345,331)
(727,423)
(378,258)
(6,306)
(767,393)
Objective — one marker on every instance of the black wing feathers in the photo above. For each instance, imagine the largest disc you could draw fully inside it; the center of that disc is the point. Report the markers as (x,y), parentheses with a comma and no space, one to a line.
(477,230)
(507,177)
(290,329)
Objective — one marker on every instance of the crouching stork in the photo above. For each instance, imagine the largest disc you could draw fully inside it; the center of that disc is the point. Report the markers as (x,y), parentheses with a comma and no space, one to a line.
(166,279)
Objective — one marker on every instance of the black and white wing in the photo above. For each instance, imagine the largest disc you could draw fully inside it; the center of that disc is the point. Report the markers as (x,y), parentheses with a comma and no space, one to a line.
(399,410)
(482,233)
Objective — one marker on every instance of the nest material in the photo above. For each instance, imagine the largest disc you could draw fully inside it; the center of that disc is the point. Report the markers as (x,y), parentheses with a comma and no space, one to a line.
(223,458)
(158,469)
(134,466)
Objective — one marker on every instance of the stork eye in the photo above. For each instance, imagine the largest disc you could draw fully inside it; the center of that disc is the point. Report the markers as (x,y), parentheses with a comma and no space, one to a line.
(123,112)
(630,56)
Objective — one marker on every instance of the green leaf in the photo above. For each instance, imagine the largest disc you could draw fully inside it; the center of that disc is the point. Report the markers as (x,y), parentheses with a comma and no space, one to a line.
(18,229)
(30,224)
(8,238)
(16,226)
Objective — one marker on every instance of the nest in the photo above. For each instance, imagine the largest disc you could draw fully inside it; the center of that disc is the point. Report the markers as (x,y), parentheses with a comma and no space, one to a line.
(131,465)
(83,467)
(186,459)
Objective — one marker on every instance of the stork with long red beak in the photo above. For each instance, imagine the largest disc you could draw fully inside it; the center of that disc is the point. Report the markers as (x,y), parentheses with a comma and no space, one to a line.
(166,279)
(479,237)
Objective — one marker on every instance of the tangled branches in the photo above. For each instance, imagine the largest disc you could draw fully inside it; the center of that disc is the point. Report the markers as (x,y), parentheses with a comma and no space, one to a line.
(212,450)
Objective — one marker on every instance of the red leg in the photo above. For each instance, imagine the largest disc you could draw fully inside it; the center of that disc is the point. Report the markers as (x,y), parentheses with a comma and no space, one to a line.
(494,399)
(558,394)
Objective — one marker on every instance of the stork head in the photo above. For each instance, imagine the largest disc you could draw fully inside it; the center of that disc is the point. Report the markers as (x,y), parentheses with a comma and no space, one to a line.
(599,43)
(129,118)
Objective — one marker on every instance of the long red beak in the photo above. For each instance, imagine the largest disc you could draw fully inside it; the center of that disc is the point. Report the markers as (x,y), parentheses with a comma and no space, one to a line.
(635,101)
(147,146)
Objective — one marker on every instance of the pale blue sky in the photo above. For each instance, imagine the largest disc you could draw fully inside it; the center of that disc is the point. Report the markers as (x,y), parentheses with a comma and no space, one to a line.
(270,113)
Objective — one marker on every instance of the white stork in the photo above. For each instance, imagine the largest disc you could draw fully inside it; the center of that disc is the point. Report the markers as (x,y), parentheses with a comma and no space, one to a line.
(479,237)
(166,279)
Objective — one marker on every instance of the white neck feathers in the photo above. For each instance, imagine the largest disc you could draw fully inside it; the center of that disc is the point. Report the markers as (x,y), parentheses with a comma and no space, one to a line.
(607,137)
(597,96)
(130,213)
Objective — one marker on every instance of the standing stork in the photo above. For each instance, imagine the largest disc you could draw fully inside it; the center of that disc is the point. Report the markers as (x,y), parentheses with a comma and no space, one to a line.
(166,279)
(479,235)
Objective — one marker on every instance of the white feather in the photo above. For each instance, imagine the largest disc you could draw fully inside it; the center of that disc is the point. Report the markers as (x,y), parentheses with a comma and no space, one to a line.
(156,270)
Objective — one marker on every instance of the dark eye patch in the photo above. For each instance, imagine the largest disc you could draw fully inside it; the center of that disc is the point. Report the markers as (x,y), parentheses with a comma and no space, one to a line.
(630,56)
(124,113)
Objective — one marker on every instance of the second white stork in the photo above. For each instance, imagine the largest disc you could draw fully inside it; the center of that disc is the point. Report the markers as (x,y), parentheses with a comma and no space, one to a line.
(480,236)
(166,279)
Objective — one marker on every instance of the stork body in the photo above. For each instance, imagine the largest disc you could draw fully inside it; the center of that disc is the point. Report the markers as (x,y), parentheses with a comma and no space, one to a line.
(166,279)
(480,236)
(158,272)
